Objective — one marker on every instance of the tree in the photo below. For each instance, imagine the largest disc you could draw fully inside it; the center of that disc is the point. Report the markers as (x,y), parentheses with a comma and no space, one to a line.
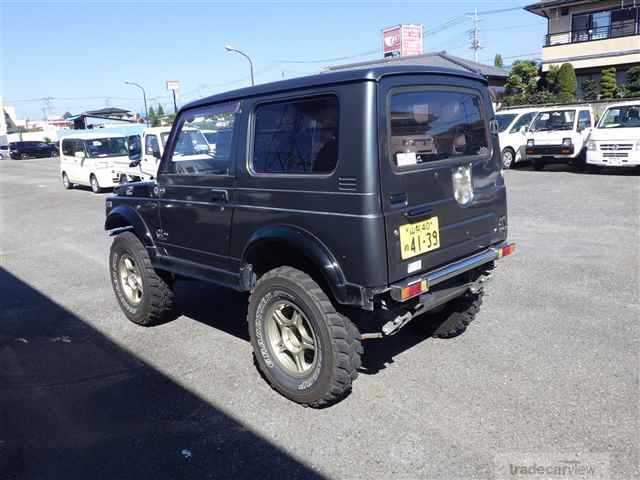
(567,83)
(590,90)
(497,61)
(550,81)
(633,82)
(608,83)
(154,121)
(160,111)
(522,82)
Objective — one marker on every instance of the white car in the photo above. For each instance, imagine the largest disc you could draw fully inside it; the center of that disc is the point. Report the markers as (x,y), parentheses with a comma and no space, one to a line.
(93,159)
(559,135)
(615,142)
(512,132)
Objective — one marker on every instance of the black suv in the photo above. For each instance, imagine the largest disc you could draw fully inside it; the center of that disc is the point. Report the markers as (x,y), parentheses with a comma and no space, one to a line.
(32,149)
(376,190)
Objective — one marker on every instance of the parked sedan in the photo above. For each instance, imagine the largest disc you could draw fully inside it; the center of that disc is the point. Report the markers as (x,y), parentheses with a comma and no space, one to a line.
(32,149)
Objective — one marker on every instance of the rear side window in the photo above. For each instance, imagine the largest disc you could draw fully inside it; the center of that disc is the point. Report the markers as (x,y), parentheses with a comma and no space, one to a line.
(70,147)
(432,125)
(296,137)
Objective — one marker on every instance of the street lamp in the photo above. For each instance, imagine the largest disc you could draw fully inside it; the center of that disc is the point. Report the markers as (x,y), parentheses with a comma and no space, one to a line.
(231,49)
(144,97)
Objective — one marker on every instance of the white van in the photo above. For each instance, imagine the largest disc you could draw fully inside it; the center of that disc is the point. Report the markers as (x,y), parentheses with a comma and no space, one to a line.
(93,159)
(559,135)
(513,126)
(615,142)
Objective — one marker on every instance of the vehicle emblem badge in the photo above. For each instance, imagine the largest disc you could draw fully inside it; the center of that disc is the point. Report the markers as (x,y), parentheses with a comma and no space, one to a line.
(462,185)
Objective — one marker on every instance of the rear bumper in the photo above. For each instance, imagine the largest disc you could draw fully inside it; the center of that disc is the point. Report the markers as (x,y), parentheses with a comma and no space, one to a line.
(420,284)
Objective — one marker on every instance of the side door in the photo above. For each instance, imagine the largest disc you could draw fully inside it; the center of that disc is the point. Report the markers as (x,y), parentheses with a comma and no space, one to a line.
(195,190)
(443,195)
(67,159)
(585,124)
(518,136)
(151,154)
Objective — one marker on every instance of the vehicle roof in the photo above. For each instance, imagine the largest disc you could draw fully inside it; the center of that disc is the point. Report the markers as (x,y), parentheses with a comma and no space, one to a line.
(373,74)
(157,129)
(565,107)
(517,111)
(624,104)
(94,135)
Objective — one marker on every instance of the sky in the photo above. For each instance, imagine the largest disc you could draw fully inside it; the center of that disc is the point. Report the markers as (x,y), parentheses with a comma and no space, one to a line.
(79,53)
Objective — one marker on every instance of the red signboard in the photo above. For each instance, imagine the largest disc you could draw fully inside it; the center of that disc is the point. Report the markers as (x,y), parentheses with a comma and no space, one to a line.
(402,40)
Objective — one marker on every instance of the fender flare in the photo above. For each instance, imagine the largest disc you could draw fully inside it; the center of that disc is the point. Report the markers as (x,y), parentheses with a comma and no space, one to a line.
(123,217)
(315,252)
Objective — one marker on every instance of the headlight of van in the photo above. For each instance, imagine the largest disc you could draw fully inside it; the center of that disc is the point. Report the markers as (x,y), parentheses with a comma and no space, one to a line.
(566,142)
(592,146)
(531,142)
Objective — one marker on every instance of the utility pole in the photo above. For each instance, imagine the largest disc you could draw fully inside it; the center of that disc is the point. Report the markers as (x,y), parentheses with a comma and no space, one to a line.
(46,105)
(474,34)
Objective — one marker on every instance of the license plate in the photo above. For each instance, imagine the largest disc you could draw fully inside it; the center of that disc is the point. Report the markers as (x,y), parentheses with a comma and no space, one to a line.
(418,238)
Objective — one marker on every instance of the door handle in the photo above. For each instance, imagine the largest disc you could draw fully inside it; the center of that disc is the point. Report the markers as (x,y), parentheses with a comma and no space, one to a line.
(219,196)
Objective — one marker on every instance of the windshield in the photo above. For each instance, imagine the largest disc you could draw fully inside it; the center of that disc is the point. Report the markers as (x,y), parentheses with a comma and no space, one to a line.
(107,147)
(621,117)
(554,120)
(504,120)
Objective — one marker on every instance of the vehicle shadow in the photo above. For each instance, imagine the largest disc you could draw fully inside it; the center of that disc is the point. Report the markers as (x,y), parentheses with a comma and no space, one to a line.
(563,167)
(226,310)
(76,405)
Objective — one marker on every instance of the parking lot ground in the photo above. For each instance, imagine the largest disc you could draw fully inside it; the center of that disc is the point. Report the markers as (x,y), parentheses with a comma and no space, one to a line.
(550,367)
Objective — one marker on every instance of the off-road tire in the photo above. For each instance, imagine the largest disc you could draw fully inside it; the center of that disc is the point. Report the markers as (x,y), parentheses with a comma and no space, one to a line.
(512,163)
(538,164)
(457,315)
(66,183)
(157,303)
(95,186)
(337,339)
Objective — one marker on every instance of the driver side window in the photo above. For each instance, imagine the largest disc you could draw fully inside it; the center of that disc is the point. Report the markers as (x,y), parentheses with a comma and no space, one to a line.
(203,142)
(523,121)
(151,146)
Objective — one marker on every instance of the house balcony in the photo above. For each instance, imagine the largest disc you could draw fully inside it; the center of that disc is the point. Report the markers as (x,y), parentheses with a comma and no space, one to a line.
(594,48)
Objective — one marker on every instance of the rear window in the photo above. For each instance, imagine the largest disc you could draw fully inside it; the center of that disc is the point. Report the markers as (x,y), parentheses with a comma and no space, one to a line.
(432,125)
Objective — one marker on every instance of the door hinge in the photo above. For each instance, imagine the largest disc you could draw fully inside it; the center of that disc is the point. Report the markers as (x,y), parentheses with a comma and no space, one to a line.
(161,234)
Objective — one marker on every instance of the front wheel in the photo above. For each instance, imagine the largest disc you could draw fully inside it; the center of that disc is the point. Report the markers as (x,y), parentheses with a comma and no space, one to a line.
(145,296)
(95,186)
(508,158)
(65,182)
(306,350)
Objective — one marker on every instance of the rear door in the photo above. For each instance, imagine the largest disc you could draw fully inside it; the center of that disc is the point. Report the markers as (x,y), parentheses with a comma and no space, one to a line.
(442,186)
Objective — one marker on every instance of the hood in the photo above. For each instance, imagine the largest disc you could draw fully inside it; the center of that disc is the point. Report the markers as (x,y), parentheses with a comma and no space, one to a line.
(615,134)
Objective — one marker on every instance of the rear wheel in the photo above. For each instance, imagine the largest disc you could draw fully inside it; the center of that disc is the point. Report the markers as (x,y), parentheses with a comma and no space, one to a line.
(65,181)
(305,349)
(95,186)
(508,158)
(145,295)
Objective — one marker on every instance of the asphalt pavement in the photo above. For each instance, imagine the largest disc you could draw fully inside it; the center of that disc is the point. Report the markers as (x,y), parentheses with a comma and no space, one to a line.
(546,376)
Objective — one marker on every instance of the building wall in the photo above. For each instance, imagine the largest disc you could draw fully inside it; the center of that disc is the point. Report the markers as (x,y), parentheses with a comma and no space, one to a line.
(610,51)
(559,24)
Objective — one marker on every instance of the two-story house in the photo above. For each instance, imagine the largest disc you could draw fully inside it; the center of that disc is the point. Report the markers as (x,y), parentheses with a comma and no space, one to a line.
(591,35)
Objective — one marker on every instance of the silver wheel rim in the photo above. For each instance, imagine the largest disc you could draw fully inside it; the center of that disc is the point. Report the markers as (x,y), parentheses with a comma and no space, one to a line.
(291,338)
(507,158)
(130,279)
(65,180)
(94,184)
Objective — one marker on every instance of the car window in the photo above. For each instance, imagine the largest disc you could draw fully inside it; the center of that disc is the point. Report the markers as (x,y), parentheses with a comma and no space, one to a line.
(584,119)
(191,152)
(627,116)
(504,120)
(431,125)
(296,136)
(523,121)
(135,146)
(151,146)
(70,147)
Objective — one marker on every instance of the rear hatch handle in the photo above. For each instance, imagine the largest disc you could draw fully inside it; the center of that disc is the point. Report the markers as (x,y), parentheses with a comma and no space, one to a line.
(418,213)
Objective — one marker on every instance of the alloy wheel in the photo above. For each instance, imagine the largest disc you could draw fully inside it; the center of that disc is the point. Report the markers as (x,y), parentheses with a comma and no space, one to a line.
(130,279)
